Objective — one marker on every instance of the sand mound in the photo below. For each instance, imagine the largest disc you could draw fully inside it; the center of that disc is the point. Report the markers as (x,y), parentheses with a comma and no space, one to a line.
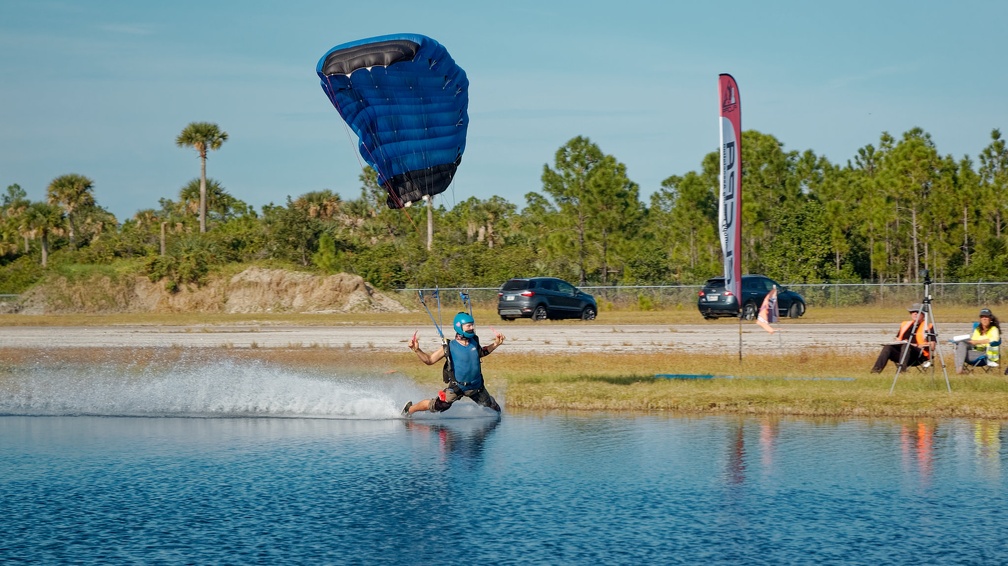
(254,290)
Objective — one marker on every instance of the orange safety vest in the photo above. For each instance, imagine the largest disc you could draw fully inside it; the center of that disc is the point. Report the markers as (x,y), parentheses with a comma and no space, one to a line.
(920,336)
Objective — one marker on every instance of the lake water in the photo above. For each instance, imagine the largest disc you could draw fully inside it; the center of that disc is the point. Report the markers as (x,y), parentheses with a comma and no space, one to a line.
(252,464)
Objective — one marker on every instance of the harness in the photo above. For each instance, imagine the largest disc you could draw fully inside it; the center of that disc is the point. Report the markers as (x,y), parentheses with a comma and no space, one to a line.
(448,372)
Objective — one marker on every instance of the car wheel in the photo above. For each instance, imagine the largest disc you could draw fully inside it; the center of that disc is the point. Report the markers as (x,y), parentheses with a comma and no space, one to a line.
(797,309)
(749,311)
(588,313)
(539,313)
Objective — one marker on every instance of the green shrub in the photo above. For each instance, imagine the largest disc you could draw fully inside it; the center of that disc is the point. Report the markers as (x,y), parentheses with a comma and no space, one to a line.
(19,275)
(188,261)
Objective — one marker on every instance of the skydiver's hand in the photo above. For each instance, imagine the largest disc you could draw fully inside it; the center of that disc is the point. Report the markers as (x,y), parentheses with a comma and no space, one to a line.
(414,344)
(498,337)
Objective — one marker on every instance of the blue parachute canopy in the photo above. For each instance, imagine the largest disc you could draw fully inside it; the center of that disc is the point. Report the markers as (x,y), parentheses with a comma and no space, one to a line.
(407,100)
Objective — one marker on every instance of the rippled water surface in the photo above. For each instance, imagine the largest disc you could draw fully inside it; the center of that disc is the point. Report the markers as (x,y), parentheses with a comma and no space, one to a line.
(253,464)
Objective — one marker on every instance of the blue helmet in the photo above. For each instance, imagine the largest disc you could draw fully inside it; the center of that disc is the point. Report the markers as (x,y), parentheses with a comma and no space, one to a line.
(461,319)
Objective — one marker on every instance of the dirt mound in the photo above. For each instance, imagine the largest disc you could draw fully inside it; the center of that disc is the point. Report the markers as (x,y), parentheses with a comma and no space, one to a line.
(273,290)
(254,290)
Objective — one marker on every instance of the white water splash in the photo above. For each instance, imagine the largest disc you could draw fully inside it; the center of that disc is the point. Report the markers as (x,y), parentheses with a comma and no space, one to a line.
(221,389)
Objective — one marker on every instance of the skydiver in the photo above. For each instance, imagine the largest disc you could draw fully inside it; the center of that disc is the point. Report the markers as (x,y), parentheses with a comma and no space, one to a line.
(462,370)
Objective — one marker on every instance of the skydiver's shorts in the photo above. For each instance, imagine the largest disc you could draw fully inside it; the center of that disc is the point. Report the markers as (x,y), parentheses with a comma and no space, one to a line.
(450,394)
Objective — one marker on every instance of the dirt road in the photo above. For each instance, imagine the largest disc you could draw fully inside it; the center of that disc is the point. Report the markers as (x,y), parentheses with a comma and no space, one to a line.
(549,337)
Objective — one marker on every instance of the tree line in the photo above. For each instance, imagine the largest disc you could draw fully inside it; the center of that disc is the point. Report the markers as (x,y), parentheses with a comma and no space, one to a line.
(885,215)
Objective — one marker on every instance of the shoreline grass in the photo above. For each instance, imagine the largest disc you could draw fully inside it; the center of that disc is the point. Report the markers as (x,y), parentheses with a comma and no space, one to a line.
(827,384)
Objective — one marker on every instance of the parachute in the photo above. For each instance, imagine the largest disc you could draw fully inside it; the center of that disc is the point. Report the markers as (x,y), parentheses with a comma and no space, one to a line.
(407,101)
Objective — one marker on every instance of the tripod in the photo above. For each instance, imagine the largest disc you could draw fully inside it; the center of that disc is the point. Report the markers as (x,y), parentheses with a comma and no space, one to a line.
(932,337)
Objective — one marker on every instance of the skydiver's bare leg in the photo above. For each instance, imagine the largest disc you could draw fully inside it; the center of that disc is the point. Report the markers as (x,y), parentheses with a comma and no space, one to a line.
(418,406)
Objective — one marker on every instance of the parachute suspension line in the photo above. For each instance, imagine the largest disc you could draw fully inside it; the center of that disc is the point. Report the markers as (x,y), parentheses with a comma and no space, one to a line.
(402,208)
(419,293)
(436,294)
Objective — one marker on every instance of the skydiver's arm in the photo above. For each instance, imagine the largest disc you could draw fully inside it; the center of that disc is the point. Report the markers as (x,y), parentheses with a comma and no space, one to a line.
(429,359)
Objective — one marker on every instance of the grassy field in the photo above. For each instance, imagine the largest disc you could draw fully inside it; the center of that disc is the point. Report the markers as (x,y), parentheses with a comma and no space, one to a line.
(827,384)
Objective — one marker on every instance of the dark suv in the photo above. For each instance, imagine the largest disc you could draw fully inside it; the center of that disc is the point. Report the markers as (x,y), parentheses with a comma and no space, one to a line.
(540,298)
(714,302)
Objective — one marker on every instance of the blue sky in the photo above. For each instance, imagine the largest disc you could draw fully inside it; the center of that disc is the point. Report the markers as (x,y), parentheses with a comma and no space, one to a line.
(102,88)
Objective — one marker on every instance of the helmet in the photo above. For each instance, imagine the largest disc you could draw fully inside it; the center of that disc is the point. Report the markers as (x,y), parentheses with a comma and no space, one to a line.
(461,319)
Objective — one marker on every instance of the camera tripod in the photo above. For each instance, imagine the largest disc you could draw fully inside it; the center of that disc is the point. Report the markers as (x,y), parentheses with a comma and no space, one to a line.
(932,337)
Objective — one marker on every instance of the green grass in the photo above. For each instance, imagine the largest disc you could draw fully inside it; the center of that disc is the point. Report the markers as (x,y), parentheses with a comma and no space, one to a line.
(804,383)
(801,384)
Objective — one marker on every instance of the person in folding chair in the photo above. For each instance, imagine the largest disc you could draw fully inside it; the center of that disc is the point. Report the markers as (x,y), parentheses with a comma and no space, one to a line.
(921,336)
(982,347)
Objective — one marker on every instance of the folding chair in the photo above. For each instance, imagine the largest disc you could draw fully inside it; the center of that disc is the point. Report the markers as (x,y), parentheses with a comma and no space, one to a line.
(928,364)
(930,346)
(982,362)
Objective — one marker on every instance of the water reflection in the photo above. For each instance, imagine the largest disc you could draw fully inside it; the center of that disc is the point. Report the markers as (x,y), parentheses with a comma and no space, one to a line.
(917,445)
(987,441)
(736,456)
(769,430)
(464,438)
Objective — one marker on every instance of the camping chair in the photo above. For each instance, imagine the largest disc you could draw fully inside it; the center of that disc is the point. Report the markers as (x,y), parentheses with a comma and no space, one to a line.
(982,362)
(929,364)
(931,348)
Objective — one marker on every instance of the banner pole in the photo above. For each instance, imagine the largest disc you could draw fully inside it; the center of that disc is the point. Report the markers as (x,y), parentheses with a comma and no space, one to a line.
(740,337)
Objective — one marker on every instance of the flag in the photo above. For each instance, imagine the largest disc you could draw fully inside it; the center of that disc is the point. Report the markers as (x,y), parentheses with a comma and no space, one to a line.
(730,195)
(768,311)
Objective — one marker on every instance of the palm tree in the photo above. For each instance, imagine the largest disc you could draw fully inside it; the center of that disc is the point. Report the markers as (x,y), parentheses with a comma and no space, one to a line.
(207,193)
(202,136)
(40,220)
(14,204)
(324,205)
(147,221)
(71,192)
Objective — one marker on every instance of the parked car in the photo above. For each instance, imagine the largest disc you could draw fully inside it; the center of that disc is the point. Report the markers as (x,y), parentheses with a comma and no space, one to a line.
(713,301)
(540,298)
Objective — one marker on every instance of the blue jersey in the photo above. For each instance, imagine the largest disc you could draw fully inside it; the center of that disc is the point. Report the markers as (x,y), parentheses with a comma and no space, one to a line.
(466,363)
